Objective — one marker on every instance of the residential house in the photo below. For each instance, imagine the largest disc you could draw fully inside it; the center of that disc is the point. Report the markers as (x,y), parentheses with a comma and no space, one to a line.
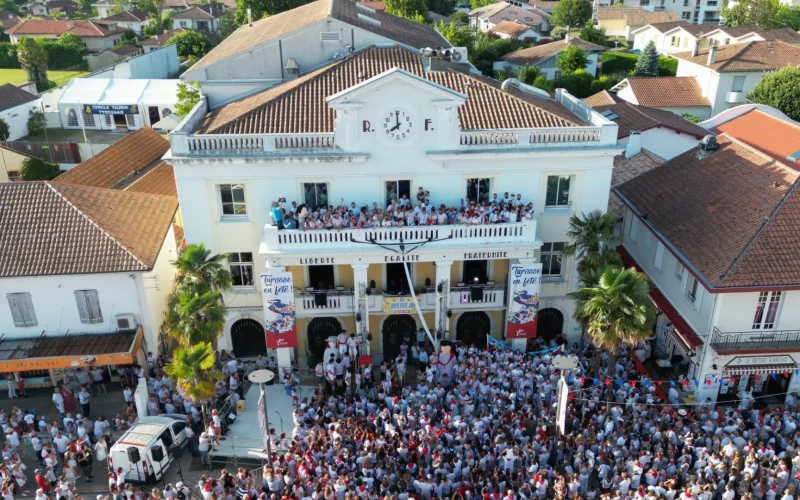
(135,20)
(488,17)
(693,11)
(622,21)
(95,36)
(264,53)
(714,229)
(545,58)
(672,38)
(676,94)
(158,41)
(50,7)
(11,161)
(467,138)
(181,5)
(106,8)
(199,18)
(15,107)
(515,31)
(661,132)
(8,19)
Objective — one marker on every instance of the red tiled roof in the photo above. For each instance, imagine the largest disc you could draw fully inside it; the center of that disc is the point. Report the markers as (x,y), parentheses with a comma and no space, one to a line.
(539,53)
(775,137)
(160,180)
(82,28)
(510,28)
(667,91)
(751,56)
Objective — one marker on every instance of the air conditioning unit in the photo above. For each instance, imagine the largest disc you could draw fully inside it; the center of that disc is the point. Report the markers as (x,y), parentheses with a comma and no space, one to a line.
(126,322)
(458,54)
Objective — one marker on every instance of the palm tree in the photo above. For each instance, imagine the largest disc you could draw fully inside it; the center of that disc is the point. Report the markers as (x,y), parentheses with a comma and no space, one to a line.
(194,315)
(592,237)
(197,266)
(191,369)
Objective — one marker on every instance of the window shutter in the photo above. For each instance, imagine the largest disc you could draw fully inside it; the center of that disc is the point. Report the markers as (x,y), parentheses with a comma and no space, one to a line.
(698,296)
(684,281)
(93,301)
(26,307)
(634,228)
(16,312)
(659,256)
(83,309)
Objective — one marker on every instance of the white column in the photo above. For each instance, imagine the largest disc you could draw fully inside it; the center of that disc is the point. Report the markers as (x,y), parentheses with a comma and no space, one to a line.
(361,305)
(520,344)
(442,297)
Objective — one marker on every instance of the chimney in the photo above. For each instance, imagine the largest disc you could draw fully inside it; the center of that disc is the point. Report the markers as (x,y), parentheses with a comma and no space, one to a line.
(712,55)
(634,146)
(249,17)
(696,47)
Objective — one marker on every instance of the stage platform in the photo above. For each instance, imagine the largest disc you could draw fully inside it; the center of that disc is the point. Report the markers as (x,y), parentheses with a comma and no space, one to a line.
(243,440)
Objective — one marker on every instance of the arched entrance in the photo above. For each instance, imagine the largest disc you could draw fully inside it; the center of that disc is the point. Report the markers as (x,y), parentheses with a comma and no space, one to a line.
(472,328)
(397,330)
(248,339)
(319,329)
(550,324)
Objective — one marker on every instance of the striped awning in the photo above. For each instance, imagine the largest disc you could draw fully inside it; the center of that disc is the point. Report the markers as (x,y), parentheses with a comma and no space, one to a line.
(678,341)
(732,371)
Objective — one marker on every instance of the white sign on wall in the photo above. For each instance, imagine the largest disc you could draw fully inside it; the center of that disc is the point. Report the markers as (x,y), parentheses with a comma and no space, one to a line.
(761,360)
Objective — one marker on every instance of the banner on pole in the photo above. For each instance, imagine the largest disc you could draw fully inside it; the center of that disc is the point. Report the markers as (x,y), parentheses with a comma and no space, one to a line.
(279,316)
(262,418)
(523,312)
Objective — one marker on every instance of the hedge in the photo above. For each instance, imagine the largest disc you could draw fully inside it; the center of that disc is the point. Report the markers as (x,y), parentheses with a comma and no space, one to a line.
(8,56)
(616,62)
(63,55)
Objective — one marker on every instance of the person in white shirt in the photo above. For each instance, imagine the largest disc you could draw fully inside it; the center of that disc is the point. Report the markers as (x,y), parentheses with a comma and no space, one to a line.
(58,400)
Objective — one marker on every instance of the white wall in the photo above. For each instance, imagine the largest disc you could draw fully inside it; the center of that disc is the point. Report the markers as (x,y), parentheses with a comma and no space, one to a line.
(17,118)
(158,64)
(709,82)
(665,142)
(156,285)
(549,70)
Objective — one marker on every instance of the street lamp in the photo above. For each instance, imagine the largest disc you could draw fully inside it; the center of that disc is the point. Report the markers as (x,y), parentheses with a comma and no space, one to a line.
(46,139)
(262,377)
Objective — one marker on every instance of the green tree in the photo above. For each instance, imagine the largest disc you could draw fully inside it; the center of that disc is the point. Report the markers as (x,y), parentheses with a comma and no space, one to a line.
(192,370)
(460,17)
(190,43)
(457,34)
(227,24)
(36,122)
(443,7)
(691,118)
(194,314)
(617,310)
(779,89)
(264,8)
(407,8)
(577,83)
(197,266)
(647,64)
(85,5)
(527,74)
(5,132)
(36,169)
(129,35)
(477,4)
(571,13)
(188,97)
(70,39)
(33,59)
(592,239)
(10,6)
(593,34)
(767,14)
(154,27)
(558,32)
(572,59)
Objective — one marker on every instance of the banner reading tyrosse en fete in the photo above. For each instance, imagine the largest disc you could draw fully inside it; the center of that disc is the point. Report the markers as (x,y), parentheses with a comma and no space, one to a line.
(279,318)
(523,312)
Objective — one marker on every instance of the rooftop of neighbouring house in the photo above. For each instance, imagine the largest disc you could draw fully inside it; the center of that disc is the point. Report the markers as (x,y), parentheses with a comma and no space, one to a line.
(81,28)
(539,53)
(635,16)
(12,96)
(772,135)
(745,57)
(163,37)
(665,91)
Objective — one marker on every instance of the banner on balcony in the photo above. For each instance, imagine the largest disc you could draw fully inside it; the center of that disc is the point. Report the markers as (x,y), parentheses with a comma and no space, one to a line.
(279,317)
(399,305)
(523,312)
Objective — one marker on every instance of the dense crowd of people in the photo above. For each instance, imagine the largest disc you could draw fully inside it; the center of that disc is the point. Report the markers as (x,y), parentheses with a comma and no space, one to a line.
(401,212)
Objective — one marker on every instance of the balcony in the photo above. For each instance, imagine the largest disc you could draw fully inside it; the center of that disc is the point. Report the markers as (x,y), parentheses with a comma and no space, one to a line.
(736,97)
(755,340)
(493,297)
(324,302)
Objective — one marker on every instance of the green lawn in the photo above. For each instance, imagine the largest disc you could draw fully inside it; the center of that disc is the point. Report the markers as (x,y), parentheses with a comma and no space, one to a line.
(17,76)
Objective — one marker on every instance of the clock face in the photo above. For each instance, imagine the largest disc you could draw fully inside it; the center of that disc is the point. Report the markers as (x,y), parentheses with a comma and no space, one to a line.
(397,125)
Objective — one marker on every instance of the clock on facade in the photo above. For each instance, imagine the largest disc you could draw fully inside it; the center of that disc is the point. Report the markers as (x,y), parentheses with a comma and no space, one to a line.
(397,125)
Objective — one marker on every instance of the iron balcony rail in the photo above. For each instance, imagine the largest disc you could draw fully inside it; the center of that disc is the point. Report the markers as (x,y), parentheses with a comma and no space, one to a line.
(755,339)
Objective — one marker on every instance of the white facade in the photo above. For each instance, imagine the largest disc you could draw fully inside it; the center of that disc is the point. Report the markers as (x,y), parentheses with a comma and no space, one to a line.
(438,156)
(158,63)
(195,24)
(664,142)
(723,90)
(549,67)
(17,118)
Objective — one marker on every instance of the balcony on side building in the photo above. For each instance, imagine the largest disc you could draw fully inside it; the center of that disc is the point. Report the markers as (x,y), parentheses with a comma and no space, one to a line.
(736,97)
(755,340)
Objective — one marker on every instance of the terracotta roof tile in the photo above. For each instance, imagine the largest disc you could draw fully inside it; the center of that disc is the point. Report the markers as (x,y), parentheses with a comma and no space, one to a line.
(626,169)
(510,28)
(199,12)
(602,98)
(125,50)
(734,214)
(773,136)
(299,106)
(12,96)
(50,228)
(160,180)
(539,53)
(635,16)
(163,37)
(111,166)
(128,16)
(752,56)
(82,28)
(664,27)
(667,91)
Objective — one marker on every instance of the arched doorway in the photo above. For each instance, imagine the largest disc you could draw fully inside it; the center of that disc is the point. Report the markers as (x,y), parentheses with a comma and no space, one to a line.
(472,328)
(550,324)
(248,339)
(319,329)
(397,330)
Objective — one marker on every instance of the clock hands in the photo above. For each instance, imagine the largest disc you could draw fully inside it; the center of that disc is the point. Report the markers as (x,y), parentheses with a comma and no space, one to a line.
(397,117)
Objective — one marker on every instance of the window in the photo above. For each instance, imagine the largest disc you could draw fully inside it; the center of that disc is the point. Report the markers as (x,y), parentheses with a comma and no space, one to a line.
(22,309)
(552,254)
(108,121)
(321,277)
(634,229)
(88,306)
(130,120)
(685,15)
(478,189)
(557,191)
(648,239)
(475,272)
(738,84)
(72,118)
(315,194)
(659,263)
(165,112)
(241,264)
(396,189)
(769,302)
(691,289)
(232,196)
(679,271)
(88,120)
(184,24)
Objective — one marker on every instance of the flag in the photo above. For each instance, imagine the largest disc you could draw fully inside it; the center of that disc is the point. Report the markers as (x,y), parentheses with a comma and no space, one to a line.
(262,418)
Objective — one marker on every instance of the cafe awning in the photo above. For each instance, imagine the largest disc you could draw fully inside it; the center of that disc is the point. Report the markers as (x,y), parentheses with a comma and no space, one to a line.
(69,351)
(733,371)
(679,341)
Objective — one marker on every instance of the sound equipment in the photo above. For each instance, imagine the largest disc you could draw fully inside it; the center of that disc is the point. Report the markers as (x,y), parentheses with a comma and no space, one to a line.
(476,293)
(158,453)
(166,438)
(133,455)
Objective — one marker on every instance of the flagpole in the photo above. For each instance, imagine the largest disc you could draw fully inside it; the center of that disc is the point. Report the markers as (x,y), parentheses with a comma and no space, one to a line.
(262,377)
(83,123)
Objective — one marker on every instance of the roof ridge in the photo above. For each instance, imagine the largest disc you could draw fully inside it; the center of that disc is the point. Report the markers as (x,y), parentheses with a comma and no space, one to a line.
(760,153)
(735,56)
(49,184)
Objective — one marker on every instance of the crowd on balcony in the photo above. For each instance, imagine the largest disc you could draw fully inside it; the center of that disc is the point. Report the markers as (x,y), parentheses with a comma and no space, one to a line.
(401,212)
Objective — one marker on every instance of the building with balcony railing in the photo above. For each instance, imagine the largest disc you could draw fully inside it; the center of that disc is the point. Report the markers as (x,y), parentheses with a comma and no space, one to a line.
(331,137)
(710,228)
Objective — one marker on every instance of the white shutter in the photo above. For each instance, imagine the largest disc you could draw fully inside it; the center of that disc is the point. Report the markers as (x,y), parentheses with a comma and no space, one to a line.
(634,229)
(83,309)
(698,296)
(659,256)
(16,312)
(648,239)
(93,301)
(22,309)
(684,281)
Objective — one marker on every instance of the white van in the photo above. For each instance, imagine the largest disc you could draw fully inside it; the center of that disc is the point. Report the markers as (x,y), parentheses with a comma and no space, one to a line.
(153,438)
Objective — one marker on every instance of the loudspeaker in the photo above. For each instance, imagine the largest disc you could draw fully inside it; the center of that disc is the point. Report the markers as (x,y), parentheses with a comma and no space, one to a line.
(133,455)
(476,292)
(158,453)
(166,438)
(177,452)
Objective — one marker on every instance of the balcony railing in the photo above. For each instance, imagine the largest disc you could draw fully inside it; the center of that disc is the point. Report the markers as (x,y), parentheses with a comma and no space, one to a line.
(755,339)
(736,97)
